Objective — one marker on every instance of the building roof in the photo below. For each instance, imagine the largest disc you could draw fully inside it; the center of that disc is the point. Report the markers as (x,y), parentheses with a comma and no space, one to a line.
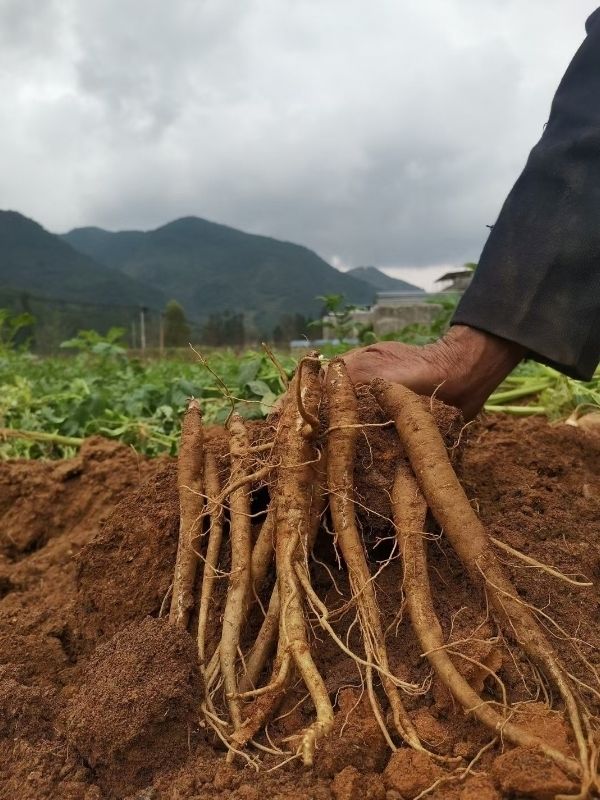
(450,276)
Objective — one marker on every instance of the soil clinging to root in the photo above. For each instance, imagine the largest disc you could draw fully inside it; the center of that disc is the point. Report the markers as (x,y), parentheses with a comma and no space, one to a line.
(99,693)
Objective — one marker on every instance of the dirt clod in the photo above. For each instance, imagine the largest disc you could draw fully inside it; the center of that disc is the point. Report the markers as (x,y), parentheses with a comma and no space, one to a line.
(350,784)
(135,704)
(528,773)
(356,739)
(410,772)
(124,574)
(478,787)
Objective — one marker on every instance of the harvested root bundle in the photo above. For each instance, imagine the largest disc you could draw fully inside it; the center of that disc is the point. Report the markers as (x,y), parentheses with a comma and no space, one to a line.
(268,645)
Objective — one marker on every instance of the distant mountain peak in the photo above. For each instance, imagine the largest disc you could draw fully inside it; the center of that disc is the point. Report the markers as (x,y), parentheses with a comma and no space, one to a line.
(382,282)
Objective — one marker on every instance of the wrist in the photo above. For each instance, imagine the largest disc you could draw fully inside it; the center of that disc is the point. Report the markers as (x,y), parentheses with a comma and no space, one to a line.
(483,352)
(474,362)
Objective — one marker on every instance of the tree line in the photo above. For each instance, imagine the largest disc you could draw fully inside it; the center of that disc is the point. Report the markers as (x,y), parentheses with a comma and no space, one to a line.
(46,322)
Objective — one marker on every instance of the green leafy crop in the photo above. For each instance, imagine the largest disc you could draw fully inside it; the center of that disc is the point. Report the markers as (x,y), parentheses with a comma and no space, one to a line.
(101,391)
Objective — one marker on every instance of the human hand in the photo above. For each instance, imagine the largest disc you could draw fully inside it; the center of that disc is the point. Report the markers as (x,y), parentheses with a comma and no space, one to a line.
(463,367)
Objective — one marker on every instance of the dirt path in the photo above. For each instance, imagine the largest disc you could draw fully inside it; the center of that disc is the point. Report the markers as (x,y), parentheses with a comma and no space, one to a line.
(97,694)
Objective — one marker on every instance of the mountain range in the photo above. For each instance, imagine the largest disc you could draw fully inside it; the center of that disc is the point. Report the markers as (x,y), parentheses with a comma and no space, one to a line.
(209,268)
(214,268)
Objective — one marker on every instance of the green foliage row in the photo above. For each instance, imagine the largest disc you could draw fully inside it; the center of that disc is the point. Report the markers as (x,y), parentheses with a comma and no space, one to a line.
(101,390)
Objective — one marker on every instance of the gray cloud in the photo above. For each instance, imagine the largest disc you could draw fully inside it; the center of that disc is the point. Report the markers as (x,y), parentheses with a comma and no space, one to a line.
(384,133)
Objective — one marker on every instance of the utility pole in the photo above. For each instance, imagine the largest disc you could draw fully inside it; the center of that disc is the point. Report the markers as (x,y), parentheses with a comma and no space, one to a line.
(143,310)
(161,334)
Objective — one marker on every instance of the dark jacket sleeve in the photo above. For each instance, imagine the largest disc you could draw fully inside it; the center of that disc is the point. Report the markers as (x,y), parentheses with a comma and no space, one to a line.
(538,279)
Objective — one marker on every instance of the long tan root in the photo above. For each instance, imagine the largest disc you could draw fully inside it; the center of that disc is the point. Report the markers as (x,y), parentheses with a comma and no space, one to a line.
(238,590)
(211,560)
(409,510)
(191,500)
(341,446)
(267,635)
(266,699)
(294,497)
(264,548)
(446,498)
(262,556)
(263,645)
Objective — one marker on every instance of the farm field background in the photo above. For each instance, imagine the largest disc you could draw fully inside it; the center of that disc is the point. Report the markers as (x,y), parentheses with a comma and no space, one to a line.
(48,405)
(136,401)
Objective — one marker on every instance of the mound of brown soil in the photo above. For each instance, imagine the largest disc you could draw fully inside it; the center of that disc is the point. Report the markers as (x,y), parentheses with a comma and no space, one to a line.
(98,696)
(124,573)
(134,706)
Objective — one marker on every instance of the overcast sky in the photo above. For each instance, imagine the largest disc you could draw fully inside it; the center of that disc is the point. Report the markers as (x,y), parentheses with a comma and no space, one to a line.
(385,132)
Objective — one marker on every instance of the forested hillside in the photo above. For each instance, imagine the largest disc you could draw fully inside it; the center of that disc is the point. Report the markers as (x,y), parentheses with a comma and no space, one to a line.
(35,260)
(211,268)
(64,289)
